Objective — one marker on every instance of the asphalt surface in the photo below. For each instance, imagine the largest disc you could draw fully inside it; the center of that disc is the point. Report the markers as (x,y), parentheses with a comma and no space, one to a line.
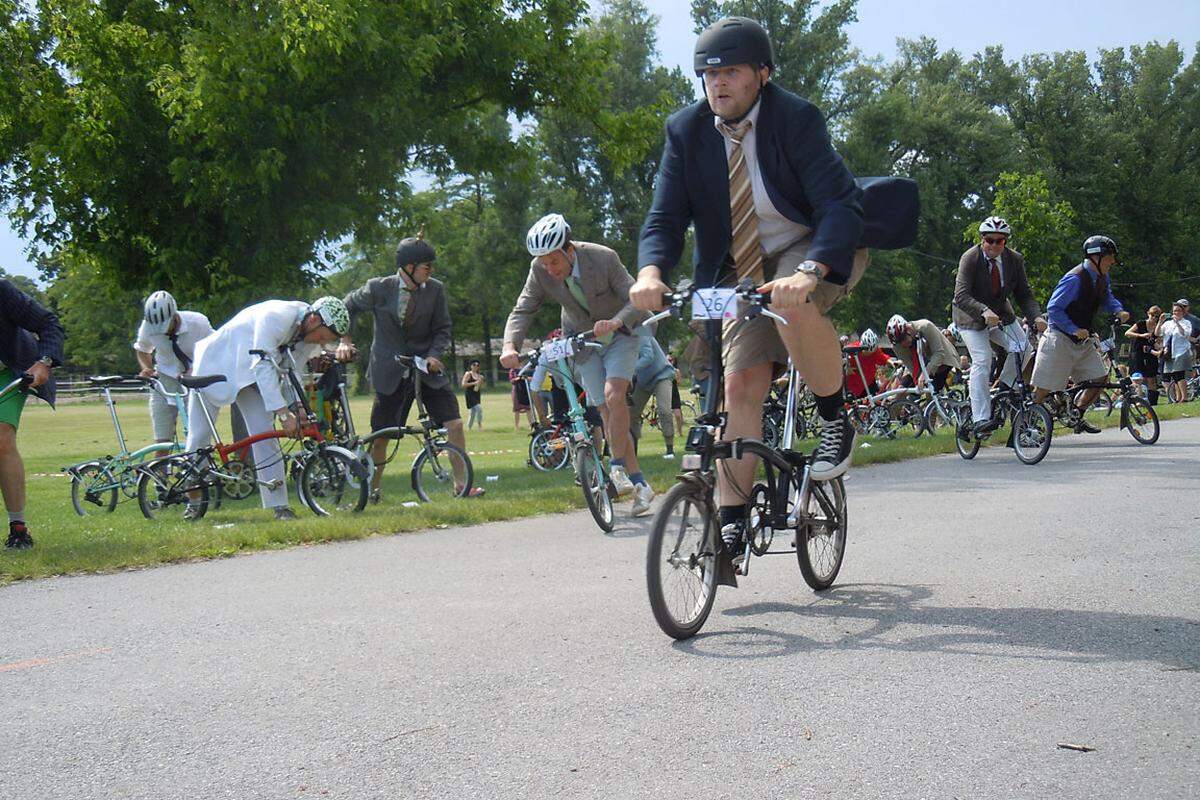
(987,612)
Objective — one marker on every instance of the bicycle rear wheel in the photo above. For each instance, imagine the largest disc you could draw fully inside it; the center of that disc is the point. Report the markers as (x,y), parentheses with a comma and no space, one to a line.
(821,534)
(1141,420)
(594,484)
(548,450)
(332,481)
(93,490)
(162,493)
(442,469)
(681,561)
(1032,430)
(908,419)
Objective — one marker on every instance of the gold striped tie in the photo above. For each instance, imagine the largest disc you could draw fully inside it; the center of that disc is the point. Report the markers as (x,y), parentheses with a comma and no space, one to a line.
(746,250)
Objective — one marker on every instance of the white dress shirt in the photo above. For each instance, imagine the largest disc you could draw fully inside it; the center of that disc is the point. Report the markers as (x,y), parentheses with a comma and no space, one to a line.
(193,326)
(263,326)
(775,231)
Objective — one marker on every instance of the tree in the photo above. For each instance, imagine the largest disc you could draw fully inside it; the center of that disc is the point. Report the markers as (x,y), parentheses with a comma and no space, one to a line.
(216,146)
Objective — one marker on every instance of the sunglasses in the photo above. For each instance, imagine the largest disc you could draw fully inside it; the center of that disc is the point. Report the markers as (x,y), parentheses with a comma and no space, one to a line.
(995,240)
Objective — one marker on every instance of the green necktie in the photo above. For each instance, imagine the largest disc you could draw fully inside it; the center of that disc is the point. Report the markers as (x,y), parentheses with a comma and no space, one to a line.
(577,292)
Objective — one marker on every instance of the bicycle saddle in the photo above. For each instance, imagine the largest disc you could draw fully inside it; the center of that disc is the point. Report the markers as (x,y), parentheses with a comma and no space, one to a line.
(200,381)
(112,380)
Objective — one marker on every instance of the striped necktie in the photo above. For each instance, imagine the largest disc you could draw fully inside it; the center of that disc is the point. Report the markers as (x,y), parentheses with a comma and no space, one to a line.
(745,248)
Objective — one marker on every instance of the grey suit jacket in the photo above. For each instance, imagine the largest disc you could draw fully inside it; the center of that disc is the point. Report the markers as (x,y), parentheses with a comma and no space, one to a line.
(973,290)
(426,332)
(605,283)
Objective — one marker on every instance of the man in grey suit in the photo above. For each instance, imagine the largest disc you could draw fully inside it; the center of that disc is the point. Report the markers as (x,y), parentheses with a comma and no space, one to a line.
(988,275)
(411,318)
(592,286)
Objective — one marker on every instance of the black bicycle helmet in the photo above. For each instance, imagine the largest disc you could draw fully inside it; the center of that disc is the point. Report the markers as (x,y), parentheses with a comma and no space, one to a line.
(731,41)
(414,250)
(1099,246)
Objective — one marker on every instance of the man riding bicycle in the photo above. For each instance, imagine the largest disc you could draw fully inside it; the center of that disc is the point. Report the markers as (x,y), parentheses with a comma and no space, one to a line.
(751,166)
(253,382)
(988,275)
(1070,352)
(592,286)
(938,352)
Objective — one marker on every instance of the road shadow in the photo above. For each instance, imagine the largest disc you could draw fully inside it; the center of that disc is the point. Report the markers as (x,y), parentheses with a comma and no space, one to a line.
(627,527)
(904,619)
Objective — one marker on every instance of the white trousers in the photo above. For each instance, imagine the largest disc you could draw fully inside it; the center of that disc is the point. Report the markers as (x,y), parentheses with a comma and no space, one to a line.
(979,346)
(258,420)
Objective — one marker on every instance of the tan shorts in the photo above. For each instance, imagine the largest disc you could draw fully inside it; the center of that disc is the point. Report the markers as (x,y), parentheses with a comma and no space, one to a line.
(747,344)
(1061,357)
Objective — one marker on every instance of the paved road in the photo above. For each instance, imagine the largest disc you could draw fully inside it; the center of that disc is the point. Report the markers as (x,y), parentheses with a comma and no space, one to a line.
(986,612)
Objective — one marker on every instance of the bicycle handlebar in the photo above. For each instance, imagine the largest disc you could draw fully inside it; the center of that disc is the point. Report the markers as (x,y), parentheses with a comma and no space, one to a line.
(744,291)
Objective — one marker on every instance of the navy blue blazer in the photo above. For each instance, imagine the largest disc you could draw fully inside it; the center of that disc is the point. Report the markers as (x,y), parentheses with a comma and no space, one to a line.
(804,176)
(21,317)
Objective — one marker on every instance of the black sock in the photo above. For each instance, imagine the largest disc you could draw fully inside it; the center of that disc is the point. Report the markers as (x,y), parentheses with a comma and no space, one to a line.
(1153,397)
(830,407)
(732,514)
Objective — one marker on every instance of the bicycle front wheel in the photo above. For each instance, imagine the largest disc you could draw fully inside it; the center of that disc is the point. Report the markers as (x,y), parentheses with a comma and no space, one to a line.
(163,493)
(821,533)
(1032,431)
(442,469)
(1142,420)
(93,490)
(594,484)
(332,481)
(548,450)
(681,561)
(908,419)
(965,441)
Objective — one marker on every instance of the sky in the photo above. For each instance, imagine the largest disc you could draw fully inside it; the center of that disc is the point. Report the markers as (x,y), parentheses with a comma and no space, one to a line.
(1021,26)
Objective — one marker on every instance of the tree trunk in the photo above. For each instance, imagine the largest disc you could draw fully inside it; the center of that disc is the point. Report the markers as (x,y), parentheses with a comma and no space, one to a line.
(487,349)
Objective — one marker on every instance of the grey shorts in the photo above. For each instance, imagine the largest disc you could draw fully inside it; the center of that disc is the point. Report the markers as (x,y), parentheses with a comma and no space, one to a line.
(749,343)
(163,411)
(1061,357)
(616,361)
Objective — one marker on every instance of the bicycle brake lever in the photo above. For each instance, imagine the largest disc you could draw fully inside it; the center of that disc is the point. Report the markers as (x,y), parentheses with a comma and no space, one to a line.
(773,316)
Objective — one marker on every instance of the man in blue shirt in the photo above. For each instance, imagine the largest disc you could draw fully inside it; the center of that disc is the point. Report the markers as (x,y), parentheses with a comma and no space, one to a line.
(1069,350)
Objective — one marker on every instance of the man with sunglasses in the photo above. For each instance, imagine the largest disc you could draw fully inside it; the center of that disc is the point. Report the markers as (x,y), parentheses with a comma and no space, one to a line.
(988,275)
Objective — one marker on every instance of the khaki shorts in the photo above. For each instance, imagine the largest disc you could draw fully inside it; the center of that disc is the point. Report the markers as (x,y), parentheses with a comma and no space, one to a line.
(747,344)
(1061,357)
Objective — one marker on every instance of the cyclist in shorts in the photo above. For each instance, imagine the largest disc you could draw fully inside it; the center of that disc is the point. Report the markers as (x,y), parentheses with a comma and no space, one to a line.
(1070,352)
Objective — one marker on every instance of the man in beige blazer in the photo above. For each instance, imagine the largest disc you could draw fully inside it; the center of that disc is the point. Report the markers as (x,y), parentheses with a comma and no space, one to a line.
(592,286)
(938,352)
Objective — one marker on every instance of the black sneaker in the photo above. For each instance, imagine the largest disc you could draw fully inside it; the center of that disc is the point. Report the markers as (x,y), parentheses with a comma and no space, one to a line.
(987,426)
(1083,426)
(18,537)
(831,459)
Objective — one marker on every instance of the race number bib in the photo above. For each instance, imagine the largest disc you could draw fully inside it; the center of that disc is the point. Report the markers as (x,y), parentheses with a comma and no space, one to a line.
(557,350)
(714,304)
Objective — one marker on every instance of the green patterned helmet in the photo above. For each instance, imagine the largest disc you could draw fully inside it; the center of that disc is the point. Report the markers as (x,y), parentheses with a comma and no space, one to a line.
(333,314)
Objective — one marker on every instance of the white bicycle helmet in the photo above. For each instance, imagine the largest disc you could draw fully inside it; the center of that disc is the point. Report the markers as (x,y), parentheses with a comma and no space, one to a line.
(548,234)
(897,326)
(869,339)
(333,314)
(159,311)
(995,225)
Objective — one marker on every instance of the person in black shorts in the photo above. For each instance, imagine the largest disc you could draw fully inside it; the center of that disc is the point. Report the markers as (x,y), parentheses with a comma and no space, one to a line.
(412,317)
(676,400)
(1144,357)
(472,382)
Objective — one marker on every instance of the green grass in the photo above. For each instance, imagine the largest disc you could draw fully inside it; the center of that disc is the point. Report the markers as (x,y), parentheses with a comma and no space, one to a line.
(67,543)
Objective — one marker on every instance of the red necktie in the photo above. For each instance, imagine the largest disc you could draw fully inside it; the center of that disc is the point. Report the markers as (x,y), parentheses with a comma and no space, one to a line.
(995,277)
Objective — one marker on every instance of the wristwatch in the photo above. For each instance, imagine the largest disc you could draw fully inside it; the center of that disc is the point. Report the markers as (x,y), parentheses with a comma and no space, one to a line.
(809,268)
(47,360)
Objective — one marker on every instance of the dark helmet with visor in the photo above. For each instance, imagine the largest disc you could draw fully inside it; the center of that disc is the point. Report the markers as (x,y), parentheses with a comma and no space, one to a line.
(732,41)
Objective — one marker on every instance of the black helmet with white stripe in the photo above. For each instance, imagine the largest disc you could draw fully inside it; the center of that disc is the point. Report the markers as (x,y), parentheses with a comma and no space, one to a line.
(1099,246)
(732,41)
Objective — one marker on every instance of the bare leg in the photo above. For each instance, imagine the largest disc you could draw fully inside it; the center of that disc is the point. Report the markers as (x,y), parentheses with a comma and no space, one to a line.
(378,454)
(12,470)
(456,435)
(812,342)
(745,391)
